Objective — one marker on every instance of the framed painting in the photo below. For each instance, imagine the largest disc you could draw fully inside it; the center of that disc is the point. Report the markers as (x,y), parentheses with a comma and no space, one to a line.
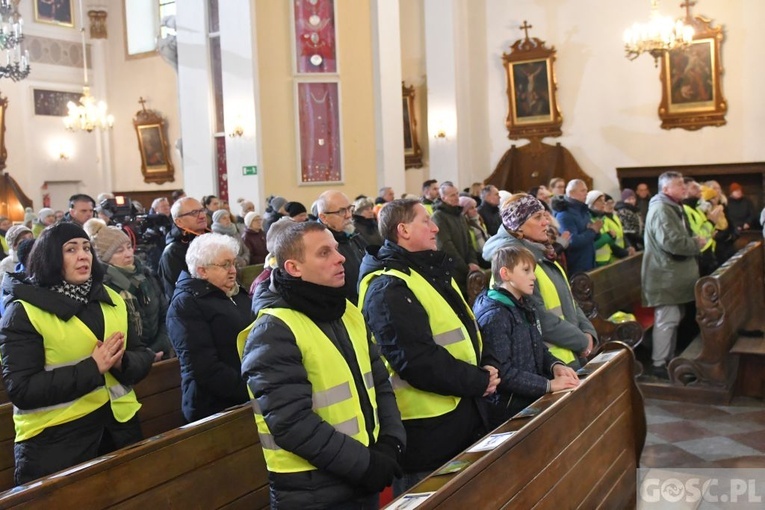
(315,36)
(53,103)
(54,12)
(412,150)
(156,164)
(531,90)
(319,135)
(691,81)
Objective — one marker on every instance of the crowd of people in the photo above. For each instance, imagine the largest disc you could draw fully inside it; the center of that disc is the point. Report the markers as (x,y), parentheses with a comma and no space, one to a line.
(363,360)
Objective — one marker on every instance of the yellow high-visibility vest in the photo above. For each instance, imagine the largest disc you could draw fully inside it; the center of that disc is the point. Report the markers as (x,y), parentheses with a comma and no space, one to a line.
(335,396)
(67,343)
(448,331)
(700,226)
(552,303)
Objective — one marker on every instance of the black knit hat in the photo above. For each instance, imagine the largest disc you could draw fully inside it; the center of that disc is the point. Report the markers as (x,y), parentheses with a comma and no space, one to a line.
(295,208)
(23,250)
(62,233)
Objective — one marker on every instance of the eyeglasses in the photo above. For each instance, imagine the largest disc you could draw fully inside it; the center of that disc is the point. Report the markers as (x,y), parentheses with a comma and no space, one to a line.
(195,212)
(226,266)
(344,211)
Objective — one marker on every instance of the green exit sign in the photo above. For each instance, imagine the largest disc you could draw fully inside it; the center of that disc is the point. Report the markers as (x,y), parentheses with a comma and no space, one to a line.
(250,170)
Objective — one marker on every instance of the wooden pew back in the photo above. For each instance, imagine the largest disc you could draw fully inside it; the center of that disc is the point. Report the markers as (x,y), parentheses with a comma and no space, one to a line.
(581,451)
(212,463)
(728,300)
(159,394)
(609,289)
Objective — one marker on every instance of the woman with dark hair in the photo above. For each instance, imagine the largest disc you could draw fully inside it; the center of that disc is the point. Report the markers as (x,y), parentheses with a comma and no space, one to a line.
(69,358)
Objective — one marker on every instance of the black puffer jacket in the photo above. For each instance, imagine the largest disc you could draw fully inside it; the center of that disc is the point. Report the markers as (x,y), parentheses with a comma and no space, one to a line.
(491,217)
(352,247)
(203,325)
(453,237)
(31,386)
(272,365)
(368,229)
(402,330)
(173,259)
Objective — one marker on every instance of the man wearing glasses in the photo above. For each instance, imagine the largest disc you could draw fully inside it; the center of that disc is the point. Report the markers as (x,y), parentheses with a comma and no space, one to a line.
(190,221)
(336,213)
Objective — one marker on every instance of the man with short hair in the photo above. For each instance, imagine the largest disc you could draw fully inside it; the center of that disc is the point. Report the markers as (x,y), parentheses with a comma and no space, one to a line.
(160,206)
(429,338)
(670,270)
(574,217)
(454,235)
(429,194)
(326,414)
(336,212)
(643,197)
(81,207)
(701,225)
(489,209)
(190,221)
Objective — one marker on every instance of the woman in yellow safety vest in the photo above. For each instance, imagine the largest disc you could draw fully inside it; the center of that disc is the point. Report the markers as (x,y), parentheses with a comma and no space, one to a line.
(69,358)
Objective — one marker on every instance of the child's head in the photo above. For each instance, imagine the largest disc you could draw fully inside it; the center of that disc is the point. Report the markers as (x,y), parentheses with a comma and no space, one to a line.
(513,270)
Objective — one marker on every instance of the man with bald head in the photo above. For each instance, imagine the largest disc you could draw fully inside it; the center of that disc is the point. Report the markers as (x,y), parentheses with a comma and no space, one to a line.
(336,212)
(454,235)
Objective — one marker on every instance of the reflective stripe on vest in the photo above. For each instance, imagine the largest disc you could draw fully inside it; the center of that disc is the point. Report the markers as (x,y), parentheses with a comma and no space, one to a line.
(552,303)
(66,344)
(335,396)
(448,332)
(700,225)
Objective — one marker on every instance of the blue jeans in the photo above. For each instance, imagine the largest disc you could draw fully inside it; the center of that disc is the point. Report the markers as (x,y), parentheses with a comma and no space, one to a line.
(406,482)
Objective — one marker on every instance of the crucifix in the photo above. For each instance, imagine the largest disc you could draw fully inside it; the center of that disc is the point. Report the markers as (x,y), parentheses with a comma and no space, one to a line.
(525,27)
(143,102)
(687,4)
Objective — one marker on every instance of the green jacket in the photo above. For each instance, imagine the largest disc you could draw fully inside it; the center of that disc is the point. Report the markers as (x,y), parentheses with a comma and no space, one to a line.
(670,268)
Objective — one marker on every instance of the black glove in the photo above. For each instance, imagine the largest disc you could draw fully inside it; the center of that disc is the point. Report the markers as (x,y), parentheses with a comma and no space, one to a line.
(380,473)
(389,446)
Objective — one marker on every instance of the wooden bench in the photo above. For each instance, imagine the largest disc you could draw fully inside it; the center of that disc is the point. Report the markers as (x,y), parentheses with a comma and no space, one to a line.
(581,451)
(159,394)
(213,463)
(727,301)
(609,289)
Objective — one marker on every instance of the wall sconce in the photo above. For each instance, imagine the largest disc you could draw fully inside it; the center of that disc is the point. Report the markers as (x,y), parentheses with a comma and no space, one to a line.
(238,132)
(60,150)
(440,134)
(63,155)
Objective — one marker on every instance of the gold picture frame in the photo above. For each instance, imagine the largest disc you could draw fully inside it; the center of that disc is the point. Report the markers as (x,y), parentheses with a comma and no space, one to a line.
(156,164)
(55,12)
(412,149)
(533,111)
(691,84)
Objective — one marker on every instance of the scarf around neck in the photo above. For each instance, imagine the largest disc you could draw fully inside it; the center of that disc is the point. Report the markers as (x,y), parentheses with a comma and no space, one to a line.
(79,293)
(319,303)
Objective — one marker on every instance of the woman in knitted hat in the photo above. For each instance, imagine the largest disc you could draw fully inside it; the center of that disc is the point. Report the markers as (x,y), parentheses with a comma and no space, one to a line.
(223,224)
(296,211)
(135,283)
(274,211)
(629,214)
(45,217)
(565,329)
(254,238)
(478,234)
(70,356)
(14,236)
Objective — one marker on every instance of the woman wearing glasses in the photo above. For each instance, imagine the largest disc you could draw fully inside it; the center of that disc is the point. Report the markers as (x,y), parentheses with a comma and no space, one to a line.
(207,312)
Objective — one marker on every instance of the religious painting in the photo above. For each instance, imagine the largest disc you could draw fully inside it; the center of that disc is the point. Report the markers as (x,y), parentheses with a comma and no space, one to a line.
(314,26)
(53,103)
(156,164)
(531,90)
(55,12)
(412,150)
(319,132)
(690,77)
(3,151)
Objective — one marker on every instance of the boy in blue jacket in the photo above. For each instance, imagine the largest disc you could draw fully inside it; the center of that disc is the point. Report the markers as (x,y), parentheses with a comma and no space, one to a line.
(511,333)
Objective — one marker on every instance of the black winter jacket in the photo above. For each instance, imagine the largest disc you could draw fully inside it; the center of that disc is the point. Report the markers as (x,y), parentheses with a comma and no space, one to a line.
(30,386)
(368,229)
(173,259)
(453,237)
(511,333)
(203,324)
(402,330)
(272,366)
(352,247)
(491,217)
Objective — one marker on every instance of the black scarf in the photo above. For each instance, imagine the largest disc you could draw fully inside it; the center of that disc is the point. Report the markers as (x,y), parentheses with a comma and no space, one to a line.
(79,293)
(319,303)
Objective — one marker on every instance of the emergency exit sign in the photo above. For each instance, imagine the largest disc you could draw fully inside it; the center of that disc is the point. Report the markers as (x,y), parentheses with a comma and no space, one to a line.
(250,170)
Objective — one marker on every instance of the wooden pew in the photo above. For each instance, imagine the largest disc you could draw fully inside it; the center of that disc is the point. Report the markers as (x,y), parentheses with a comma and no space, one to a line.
(609,289)
(581,451)
(212,463)
(729,300)
(159,394)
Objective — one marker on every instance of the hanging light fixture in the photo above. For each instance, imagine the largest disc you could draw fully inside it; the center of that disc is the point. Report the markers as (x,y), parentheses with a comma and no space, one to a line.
(89,114)
(11,36)
(659,35)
